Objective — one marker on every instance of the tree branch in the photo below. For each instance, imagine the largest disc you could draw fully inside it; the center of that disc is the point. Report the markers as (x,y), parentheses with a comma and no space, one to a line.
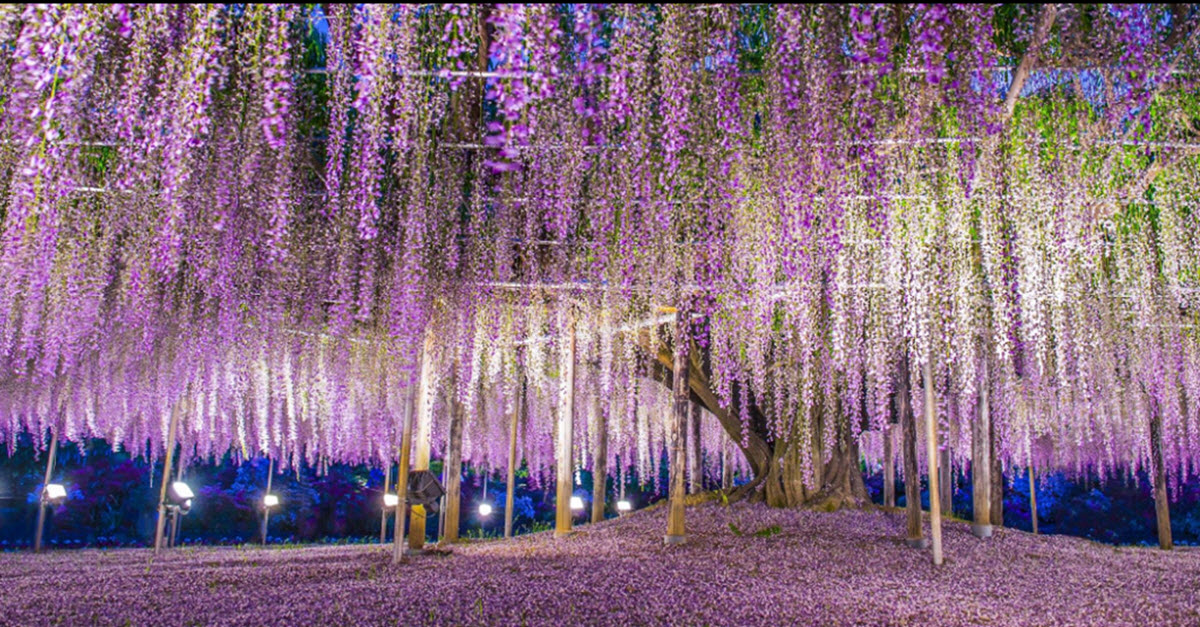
(1040,34)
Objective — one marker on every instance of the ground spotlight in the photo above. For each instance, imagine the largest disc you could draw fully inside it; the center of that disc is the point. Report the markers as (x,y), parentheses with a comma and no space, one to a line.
(624,506)
(485,509)
(390,500)
(53,493)
(576,503)
(270,500)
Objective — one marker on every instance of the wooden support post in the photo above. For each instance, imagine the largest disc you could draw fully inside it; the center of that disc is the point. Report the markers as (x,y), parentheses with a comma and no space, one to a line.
(889,466)
(1033,510)
(946,481)
(387,486)
(695,479)
(981,462)
(510,483)
(931,450)
(424,418)
(912,476)
(566,436)
(676,532)
(453,465)
(166,479)
(402,476)
(600,462)
(1162,512)
(51,456)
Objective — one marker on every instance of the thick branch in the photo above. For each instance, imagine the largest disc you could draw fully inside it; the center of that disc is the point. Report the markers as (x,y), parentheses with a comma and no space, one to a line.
(1040,34)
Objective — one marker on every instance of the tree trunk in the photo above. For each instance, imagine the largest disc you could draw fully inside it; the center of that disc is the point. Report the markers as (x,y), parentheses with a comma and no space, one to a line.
(566,440)
(912,477)
(1162,512)
(600,462)
(453,467)
(889,467)
(424,419)
(510,481)
(981,463)
(676,532)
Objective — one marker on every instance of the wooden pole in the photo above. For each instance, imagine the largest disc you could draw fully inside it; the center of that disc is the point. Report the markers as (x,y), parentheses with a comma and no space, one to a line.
(945,481)
(51,455)
(599,461)
(676,532)
(566,426)
(166,478)
(981,461)
(997,478)
(912,476)
(931,450)
(889,467)
(402,476)
(177,520)
(387,479)
(510,483)
(1162,512)
(726,466)
(453,465)
(695,454)
(416,524)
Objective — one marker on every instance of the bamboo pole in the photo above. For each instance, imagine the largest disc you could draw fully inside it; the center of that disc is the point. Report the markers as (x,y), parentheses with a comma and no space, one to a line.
(510,483)
(453,465)
(566,426)
(51,456)
(416,524)
(402,475)
(931,449)
(981,461)
(676,532)
(166,478)
(599,461)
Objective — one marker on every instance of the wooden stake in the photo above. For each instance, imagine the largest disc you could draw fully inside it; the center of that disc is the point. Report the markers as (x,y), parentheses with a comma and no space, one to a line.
(676,532)
(166,478)
(912,476)
(402,476)
(510,483)
(51,455)
(453,465)
(931,450)
(981,461)
(889,467)
(416,525)
(599,461)
(566,440)
(1162,512)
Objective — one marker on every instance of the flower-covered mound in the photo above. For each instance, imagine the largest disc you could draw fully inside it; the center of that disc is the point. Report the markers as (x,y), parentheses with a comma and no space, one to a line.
(742,565)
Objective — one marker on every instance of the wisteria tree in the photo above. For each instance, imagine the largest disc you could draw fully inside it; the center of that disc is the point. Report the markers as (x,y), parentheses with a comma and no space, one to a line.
(276,221)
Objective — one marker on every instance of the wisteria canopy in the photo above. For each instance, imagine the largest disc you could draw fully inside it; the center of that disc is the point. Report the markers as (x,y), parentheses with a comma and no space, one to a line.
(267,217)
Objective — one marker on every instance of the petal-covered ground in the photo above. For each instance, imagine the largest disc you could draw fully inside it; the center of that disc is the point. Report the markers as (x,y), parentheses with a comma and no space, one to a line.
(785,568)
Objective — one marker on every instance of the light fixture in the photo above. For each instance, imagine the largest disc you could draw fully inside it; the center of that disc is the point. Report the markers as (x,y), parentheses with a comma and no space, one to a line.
(576,503)
(624,506)
(390,500)
(54,492)
(485,509)
(179,493)
(270,500)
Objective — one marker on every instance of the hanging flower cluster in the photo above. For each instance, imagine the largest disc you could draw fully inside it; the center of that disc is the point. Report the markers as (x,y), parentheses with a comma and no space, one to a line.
(252,216)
